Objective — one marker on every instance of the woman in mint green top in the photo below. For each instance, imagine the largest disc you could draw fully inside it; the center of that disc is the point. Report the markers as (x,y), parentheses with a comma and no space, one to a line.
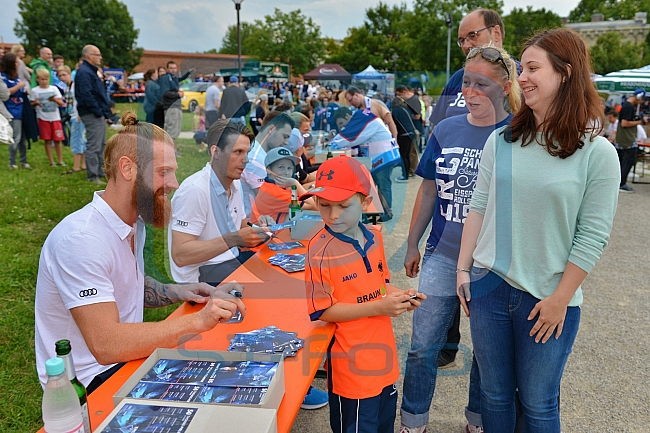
(539,219)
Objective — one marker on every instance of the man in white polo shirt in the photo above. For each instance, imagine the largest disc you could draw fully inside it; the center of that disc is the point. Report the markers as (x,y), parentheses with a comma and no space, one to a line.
(274,133)
(209,222)
(91,288)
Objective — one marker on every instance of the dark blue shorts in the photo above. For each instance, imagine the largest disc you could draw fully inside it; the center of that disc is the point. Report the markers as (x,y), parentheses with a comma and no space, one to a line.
(367,415)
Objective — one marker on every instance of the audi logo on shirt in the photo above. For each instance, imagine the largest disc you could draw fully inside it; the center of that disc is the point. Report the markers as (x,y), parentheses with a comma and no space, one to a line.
(87,292)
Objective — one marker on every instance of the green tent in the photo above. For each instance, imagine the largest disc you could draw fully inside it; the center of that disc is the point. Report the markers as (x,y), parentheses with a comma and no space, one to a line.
(623,84)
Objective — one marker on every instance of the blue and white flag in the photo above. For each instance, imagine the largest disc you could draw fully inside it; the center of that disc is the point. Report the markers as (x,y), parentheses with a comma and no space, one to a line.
(367,130)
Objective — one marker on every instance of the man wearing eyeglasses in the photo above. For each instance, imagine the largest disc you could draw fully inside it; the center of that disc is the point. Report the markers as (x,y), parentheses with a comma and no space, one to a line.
(94,109)
(478,28)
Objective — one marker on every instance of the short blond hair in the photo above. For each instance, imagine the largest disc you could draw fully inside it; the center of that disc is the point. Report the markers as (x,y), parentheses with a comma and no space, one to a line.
(63,68)
(42,72)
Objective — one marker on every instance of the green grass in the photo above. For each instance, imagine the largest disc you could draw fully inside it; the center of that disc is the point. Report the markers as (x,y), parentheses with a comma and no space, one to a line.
(137,108)
(31,204)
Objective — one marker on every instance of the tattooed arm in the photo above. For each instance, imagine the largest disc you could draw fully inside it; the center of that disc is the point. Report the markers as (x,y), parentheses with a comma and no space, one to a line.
(157,294)
(110,340)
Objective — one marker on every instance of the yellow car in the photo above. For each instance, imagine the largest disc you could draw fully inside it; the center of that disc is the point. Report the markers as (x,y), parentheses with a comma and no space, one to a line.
(194,96)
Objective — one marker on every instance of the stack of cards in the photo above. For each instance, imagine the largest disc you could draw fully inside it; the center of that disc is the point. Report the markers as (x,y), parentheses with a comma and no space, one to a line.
(289,262)
(269,340)
(160,419)
(309,217)
(285,246)
(282,226)
(231,382)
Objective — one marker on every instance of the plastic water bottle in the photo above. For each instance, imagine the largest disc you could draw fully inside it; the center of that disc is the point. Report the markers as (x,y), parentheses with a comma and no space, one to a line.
(61,408)
(63,350)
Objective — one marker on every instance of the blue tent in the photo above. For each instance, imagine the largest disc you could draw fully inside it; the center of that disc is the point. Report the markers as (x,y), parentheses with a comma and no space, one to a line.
(369,73)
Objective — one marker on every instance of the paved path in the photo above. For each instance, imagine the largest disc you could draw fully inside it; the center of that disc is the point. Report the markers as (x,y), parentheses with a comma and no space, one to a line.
(606,386)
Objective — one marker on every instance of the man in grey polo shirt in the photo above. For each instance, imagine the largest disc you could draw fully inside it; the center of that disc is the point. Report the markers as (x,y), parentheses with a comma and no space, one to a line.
(213,101)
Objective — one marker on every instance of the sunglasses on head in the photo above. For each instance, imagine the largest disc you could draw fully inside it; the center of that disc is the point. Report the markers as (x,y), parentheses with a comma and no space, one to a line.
(490,54)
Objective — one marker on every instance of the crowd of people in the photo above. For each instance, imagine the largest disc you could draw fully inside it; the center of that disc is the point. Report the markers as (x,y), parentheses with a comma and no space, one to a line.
(519,196)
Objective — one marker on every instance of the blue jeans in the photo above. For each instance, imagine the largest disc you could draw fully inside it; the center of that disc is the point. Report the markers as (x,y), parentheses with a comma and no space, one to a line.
(430,325)
(385,188)
(19,143)
(510,359)
(77,138)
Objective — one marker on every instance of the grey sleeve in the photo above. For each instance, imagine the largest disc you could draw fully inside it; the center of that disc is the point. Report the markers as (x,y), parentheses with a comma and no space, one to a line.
(4,91)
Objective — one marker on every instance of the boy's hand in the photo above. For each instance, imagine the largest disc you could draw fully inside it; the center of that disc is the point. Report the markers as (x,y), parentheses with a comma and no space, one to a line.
(265,221)
(394,304)
(285,182)
(415,302)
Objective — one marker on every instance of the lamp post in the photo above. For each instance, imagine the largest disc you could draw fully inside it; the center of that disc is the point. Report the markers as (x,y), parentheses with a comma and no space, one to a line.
(450,24)
(395,57)
(238,8)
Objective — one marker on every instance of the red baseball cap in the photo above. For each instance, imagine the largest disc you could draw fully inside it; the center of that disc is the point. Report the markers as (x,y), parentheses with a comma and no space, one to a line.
(340,178)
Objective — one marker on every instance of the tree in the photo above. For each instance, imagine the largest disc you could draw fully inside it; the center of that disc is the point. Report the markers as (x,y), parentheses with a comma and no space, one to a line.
(585,9)
(611,9)
(382,35)
(611,53)
(614,10)
(428,32)
(229,42)
(521,24)
(66,26)
(284,37)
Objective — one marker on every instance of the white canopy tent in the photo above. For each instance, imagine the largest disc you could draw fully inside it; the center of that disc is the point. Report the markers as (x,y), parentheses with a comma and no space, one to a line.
(371,76)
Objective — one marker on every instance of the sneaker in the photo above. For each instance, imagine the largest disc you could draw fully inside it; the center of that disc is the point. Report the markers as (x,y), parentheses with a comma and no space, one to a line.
(404,429)
(98,181)
(401,179)
(444,363)
(315,399)
(26,166)
(625,189)
(13,166)
(62,164)
(471,428)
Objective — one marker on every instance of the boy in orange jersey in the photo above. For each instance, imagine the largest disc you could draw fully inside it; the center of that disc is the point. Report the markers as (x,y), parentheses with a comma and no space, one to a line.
(347,283)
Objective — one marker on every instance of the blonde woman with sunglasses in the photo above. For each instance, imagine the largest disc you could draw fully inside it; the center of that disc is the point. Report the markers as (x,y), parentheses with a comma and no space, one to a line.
(449,168)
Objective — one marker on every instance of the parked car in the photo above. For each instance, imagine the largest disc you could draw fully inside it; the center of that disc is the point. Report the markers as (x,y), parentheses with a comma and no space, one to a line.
(194,96)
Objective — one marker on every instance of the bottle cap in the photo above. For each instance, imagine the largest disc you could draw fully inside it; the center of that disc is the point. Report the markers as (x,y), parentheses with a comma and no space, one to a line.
(54,366)
(62,347)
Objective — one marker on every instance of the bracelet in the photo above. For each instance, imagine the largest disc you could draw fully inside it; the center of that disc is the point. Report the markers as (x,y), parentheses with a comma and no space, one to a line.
(462,270)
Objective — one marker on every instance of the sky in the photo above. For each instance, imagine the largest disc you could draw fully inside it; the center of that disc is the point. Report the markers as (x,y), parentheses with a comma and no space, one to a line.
(199,25)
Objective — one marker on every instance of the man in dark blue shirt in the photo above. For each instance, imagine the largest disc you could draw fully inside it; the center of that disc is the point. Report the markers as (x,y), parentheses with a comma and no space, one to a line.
(478,28)
(94,109)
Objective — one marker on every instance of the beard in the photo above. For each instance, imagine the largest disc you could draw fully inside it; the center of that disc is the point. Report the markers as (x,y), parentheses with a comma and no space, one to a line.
(152,206)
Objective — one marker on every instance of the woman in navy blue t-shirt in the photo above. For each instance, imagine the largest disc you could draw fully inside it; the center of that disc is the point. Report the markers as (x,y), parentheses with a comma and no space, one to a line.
(449,168)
